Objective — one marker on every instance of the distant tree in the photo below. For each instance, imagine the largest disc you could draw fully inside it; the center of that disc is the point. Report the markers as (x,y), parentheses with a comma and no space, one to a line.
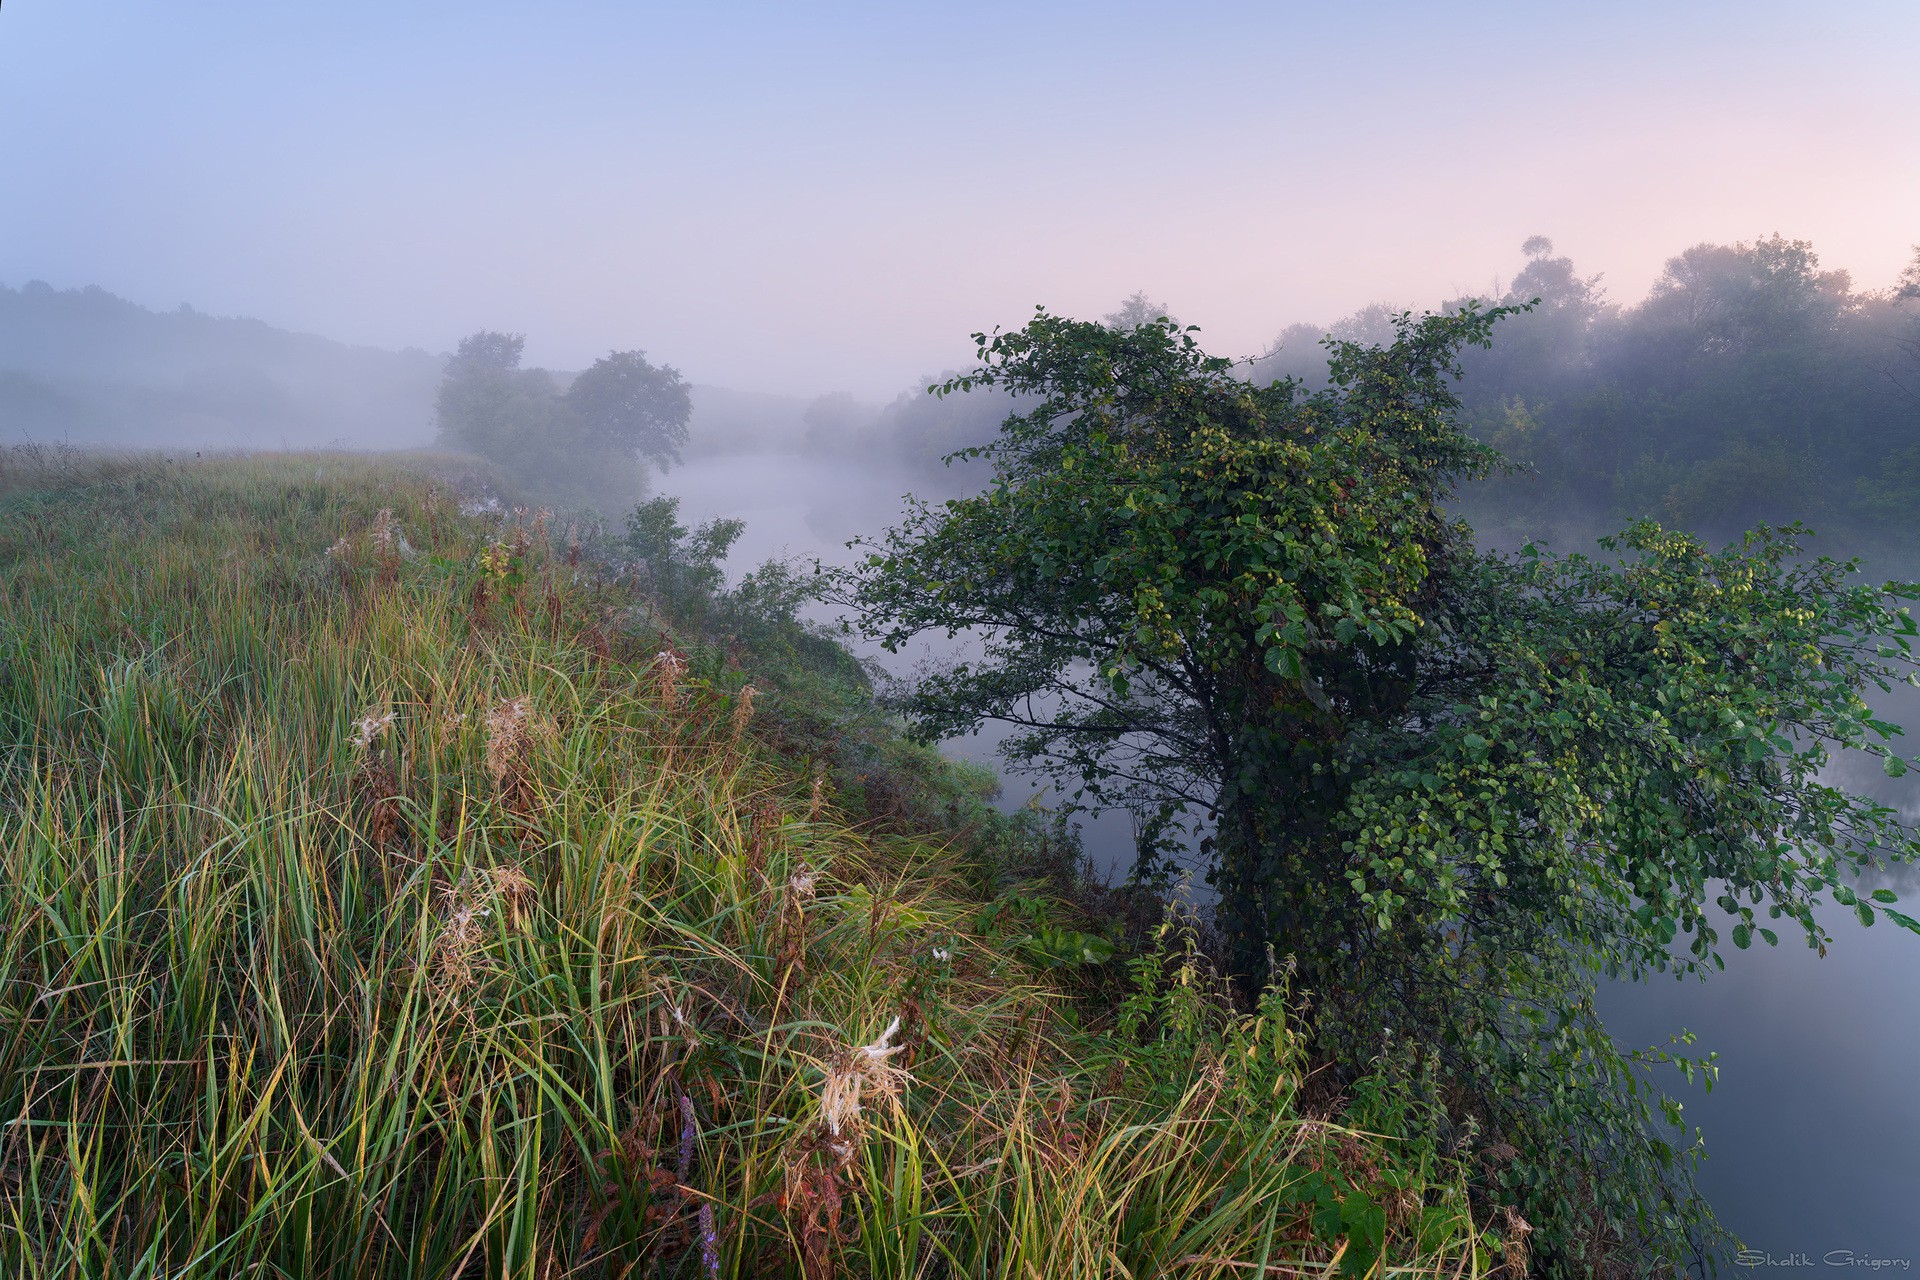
(560,448)
(1457,788)
(1137,310)
(1750,385)
(1746,297)
(1300,352)
(625,404)
(1523,395)
(926,434)
(1376,324)
(487,404)
(1296,354)
(1544,351)
(1906,296)
(1908,286)
(489,352)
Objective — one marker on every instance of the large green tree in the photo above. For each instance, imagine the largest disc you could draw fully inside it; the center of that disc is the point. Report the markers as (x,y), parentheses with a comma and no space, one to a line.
(1456,787)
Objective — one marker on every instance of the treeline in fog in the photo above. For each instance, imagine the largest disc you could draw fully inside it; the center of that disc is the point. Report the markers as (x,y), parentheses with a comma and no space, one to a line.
(1748,386)
(586,436)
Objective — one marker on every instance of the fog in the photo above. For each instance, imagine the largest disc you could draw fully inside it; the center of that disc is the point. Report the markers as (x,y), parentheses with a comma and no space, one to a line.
(246,229)
(84,366)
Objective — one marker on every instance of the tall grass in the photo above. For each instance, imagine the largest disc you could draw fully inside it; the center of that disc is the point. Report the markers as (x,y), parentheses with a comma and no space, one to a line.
(383,894)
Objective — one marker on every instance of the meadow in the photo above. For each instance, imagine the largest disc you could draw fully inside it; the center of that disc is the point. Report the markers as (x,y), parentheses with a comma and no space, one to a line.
(391,886)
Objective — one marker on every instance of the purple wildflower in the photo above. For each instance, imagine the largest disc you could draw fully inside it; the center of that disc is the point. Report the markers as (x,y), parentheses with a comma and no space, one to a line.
(709,1242)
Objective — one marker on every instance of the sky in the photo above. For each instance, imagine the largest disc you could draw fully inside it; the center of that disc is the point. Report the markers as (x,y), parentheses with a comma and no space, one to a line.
(817,197)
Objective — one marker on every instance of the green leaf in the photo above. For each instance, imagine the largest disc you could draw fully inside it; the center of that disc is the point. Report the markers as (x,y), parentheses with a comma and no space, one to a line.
(1885,895)
(1742,936)
(1366,1224)
(1895,767)
(1285,663)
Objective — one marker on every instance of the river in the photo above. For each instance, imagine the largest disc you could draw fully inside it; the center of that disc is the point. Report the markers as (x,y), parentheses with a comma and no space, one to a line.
(1813,1130)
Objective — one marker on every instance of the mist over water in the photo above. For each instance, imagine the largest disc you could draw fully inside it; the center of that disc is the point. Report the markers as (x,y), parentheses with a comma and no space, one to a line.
(809,508)
(1814,1124)
(1812,1127)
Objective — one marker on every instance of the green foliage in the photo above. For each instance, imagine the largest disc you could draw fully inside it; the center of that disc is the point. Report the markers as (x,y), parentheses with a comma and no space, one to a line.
(1029,922)
(1456,787)
(684,564)
(368,914)
(1165,546)
(1749,386)
(1178,1013)
(821,691)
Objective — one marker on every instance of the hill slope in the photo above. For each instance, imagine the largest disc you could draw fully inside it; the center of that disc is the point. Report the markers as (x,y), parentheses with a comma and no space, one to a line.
(385,891)
(84,365)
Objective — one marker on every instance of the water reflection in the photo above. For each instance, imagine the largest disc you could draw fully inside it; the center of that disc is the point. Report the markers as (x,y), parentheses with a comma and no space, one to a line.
(1813,1130)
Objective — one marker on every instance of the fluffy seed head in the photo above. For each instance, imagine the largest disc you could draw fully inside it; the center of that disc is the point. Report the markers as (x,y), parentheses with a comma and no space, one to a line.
(508,736)
(369,727)
(803,881)
(670,666)
(861,1070)
(513,889)
(742,711)
(459,936)
(1514,1247)
(385,530)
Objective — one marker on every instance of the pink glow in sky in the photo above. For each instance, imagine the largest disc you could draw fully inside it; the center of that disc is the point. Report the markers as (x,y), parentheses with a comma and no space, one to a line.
(807,198)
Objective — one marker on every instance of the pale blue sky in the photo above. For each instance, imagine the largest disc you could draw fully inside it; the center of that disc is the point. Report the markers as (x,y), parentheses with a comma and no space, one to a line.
(811,197)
